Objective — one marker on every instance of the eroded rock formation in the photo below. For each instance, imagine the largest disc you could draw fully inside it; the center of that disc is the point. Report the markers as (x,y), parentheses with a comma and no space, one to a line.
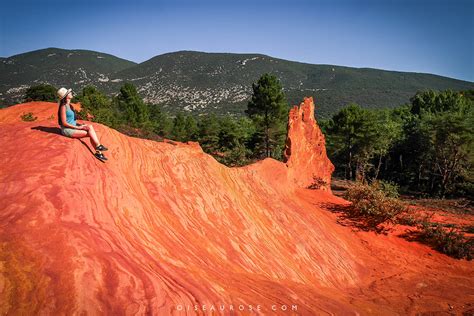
(165,229)
(305,151)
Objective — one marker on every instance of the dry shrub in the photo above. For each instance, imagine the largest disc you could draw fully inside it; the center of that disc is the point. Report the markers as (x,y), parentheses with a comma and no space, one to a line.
(318,183)
(372,204)
(451,242)
(28,117)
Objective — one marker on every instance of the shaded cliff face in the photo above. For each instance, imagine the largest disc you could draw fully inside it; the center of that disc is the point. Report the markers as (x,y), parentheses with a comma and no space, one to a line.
(160,228)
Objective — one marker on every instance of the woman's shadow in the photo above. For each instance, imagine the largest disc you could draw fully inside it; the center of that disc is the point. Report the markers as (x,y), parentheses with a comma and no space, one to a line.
(57,130)
(54,130)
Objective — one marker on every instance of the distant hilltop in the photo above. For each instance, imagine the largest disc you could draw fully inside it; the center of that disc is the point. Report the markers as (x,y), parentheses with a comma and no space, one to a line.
(214,82)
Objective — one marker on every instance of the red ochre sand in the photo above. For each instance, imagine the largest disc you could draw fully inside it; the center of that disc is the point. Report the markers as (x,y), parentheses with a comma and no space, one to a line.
(163,228)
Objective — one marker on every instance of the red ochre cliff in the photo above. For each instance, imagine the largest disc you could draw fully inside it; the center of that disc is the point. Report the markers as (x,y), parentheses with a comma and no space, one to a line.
(164,229)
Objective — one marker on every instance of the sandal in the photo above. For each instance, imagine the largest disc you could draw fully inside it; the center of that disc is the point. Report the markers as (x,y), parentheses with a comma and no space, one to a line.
(101,148)
(100,156)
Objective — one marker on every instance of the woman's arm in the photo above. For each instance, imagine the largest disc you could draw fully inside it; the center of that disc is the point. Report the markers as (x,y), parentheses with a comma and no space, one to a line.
(63,119)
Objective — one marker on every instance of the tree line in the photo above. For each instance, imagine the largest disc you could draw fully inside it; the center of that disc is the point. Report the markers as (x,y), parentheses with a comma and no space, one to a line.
(424,146)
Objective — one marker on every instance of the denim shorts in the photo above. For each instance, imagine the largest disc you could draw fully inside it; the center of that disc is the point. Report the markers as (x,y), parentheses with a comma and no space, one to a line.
(67,131)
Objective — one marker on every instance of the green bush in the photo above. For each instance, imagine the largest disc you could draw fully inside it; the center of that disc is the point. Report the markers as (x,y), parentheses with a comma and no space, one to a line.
(451,242)
(28,117)
(413,217)
(41,92)
(390,189)
(373,205)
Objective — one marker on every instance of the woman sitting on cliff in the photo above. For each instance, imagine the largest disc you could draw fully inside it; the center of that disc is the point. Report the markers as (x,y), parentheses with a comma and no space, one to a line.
(69,127)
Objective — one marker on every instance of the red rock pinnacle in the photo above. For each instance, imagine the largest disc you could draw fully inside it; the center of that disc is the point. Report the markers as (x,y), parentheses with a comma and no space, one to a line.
(305,151)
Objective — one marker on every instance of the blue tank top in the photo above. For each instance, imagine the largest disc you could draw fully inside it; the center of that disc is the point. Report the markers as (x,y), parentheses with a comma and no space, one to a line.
(70,117)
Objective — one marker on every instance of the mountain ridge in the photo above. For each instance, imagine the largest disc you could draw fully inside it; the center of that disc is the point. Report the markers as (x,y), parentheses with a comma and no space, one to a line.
(203,82)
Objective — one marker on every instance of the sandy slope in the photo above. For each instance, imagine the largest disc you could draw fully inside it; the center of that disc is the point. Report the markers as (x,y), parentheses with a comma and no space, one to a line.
(161,227)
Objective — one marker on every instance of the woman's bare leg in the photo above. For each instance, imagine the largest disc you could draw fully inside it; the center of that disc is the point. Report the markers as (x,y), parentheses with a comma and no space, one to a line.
(90,133)
(94,139)
(79,134)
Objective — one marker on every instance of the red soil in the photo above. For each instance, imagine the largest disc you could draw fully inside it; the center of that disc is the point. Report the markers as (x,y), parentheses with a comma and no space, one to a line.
(161,227)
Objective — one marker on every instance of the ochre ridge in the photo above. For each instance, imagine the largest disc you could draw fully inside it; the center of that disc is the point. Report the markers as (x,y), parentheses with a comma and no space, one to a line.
(165,229)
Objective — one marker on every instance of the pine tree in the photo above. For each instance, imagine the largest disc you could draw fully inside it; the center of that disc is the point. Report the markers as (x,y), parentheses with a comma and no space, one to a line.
(135,111)
(160,122)
(208,133)
(191,128)
(179,127)
(268,109)
(97,104)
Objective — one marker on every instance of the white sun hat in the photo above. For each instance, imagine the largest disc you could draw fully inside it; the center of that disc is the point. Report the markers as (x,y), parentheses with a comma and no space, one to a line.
(63,92)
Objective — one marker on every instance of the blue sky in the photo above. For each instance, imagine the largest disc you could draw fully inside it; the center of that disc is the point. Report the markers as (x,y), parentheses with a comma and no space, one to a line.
(430,36)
